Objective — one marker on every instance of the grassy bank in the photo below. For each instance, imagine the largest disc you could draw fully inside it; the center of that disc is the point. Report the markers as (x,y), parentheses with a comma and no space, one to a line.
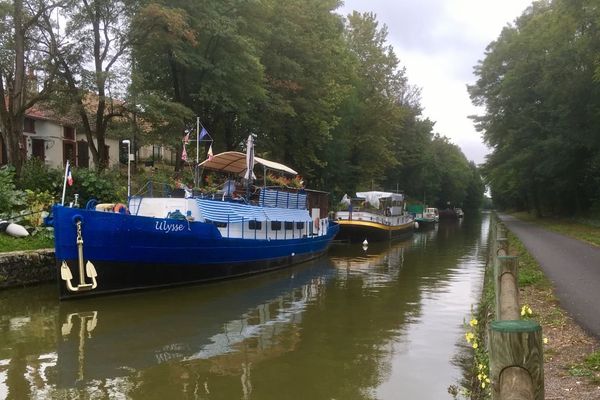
(42,240)
(571,356)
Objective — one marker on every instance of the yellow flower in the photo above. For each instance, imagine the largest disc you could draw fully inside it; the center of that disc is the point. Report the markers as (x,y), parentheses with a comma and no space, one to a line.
(481,366)
(483,385)
(487,380)
(473,322)
(475,345)
(469,336)
(526,310)
(545,340)
(480,377)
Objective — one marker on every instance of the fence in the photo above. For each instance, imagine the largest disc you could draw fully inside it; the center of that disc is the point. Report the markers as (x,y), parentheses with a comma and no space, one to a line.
(514,345)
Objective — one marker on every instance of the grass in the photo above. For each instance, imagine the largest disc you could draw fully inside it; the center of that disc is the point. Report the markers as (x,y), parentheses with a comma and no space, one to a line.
(42,240)
(585,230)
(589,368)
(531,274)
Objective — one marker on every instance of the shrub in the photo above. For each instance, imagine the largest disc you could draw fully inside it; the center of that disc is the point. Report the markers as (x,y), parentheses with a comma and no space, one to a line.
(10,197)
(37,202)
(38,177)
(104,186)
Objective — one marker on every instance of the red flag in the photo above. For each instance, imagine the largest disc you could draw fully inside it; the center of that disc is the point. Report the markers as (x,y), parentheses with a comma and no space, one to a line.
(186,138)
(184,154)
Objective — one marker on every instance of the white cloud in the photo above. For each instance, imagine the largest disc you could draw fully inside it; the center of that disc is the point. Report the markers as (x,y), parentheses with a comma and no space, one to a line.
(439,42)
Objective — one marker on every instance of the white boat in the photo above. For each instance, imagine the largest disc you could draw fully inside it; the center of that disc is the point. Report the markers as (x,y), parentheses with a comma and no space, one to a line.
(375,216)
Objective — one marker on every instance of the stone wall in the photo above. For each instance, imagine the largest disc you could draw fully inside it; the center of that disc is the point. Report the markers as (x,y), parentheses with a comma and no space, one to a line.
(19,268)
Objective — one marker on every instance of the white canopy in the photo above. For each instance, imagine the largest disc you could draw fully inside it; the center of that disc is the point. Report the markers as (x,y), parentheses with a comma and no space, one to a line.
(373,197)
(235,162)
(380,195)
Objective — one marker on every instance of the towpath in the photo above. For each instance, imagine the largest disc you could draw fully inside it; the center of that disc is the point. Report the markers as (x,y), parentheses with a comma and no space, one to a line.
(573,267)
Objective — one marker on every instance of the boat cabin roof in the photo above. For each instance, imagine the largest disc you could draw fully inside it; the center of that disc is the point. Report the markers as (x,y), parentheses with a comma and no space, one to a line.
(380,195)
(235,162)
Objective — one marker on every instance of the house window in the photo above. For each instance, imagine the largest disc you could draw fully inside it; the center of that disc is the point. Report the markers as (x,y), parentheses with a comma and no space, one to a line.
(275,225)
(289,226)
(28,125)
(69,152)
(299,225)
(83,154)
(69,132)
(255,225)
(38,149)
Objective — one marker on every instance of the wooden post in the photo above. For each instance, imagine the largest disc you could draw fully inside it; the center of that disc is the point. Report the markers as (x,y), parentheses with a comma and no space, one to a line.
(507,292)
(500,230)
(516,360)
(492,240)
(501,247)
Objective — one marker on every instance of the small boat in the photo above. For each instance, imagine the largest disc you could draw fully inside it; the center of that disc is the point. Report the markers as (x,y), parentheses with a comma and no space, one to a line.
(426,217)
(166,241)
(374,216)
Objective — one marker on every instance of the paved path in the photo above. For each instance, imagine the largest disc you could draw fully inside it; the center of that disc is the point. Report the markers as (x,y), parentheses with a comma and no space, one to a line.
(572,266)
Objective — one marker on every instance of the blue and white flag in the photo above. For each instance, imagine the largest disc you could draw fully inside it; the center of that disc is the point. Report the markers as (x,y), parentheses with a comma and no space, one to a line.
(203,133)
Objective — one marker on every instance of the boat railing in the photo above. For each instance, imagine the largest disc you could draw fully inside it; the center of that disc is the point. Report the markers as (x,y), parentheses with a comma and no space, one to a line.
(369,216)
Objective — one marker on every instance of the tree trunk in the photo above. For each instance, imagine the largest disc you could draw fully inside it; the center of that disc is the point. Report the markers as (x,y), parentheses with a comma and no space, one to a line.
(12,112)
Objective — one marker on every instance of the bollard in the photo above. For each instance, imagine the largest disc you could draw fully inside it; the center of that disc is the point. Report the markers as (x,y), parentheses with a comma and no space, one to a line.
(500,231)
(501,247)
(516,360)
(507,292)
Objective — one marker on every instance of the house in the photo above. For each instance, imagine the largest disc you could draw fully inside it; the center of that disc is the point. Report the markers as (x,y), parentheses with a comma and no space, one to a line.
(53,137)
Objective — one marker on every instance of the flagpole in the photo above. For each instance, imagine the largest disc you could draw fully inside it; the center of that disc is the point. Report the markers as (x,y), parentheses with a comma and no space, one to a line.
(197,140)
(62,202)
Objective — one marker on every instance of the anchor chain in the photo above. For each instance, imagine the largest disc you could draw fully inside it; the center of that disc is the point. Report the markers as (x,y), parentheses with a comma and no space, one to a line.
(80,253)
(89,270)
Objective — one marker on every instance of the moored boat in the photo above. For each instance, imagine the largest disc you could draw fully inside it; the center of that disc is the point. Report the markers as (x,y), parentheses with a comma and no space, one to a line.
(425,217)
(165,241)
(375,216)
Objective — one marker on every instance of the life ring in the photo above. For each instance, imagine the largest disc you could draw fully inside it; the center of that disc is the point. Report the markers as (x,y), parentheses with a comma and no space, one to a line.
(120,208)
(317,224)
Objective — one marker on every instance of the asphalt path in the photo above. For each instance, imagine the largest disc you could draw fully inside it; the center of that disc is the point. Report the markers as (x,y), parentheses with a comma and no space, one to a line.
(573,267)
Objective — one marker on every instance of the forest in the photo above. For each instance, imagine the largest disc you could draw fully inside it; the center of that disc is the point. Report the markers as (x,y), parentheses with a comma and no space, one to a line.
(540,85)
(322,92)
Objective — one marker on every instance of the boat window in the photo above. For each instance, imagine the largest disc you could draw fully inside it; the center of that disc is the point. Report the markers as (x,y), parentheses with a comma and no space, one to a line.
(256,225)
(217,223)
(275,225)
(289,226)
(299,225)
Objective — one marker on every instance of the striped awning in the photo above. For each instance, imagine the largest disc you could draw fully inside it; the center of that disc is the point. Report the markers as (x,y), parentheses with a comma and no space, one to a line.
(230,212)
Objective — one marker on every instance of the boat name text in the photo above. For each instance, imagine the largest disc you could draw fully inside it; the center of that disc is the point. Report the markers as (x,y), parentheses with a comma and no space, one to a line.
(166,227)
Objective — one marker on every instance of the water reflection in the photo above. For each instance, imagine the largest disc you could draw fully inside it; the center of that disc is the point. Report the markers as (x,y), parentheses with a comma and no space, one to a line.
(360,324)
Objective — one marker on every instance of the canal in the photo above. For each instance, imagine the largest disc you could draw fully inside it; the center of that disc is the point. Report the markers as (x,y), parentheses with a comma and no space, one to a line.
(381,323)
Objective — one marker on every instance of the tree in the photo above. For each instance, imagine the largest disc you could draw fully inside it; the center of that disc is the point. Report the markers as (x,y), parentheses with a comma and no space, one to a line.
(91,60)
(541,96)
(23,58)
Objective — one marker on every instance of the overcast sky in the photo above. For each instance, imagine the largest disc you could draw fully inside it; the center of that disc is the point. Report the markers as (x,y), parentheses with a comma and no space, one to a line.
(439,42)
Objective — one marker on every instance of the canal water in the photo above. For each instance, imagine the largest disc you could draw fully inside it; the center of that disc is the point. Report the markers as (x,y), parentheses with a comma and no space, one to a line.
(381,323)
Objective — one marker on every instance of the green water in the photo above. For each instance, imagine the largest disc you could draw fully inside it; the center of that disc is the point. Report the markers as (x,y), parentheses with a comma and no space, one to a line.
(381,323)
